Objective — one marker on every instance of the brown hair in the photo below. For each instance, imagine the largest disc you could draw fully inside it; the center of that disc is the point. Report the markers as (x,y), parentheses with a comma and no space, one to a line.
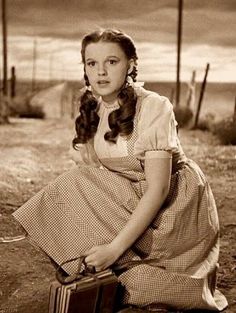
(120,120)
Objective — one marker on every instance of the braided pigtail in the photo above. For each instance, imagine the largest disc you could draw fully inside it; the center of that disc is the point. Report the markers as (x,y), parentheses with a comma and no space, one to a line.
(121,120)
(87,122)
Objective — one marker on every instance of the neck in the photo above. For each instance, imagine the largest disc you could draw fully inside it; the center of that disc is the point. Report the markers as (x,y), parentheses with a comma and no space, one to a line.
(110,99)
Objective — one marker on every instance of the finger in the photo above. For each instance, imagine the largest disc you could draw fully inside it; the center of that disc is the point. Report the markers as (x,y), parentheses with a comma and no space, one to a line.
(89,259)
(92,260)
(100,268)
(87,252)
(90,251)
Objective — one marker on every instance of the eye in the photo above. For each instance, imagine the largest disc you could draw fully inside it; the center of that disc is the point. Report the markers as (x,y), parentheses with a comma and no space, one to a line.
(112,61)
(91,63)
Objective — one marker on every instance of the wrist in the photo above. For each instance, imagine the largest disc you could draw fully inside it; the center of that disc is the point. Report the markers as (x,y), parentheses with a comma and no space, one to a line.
(118,248)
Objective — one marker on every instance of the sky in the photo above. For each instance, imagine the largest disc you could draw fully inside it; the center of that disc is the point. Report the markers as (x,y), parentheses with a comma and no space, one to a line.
(54,28)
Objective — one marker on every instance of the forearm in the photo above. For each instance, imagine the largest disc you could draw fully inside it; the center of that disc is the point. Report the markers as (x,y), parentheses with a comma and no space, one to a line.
(147,209)
(157,173)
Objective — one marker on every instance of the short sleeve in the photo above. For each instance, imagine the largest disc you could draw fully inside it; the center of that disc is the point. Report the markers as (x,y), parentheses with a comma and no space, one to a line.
(156,127)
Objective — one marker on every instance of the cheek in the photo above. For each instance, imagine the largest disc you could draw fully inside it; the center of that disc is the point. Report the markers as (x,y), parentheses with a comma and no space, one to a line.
(121,74)
(124,71)
(89,73)
(122,77)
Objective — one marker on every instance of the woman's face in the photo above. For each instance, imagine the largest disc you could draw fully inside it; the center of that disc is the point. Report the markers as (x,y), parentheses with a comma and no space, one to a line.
(106,66)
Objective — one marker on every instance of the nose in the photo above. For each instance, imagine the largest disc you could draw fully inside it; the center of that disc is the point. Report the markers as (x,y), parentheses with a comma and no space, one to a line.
(101,70)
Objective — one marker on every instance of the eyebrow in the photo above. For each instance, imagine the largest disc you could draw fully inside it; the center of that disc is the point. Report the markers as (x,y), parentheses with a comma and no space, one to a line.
(109,56)
(113,56)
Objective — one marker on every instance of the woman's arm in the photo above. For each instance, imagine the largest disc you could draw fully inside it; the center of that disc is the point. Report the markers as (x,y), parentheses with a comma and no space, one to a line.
(158,174)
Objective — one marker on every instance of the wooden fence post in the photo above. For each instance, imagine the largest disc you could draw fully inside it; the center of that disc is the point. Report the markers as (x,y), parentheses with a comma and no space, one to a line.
(5,54)
(179,43)
(234,116)
(201,96)
(13,82)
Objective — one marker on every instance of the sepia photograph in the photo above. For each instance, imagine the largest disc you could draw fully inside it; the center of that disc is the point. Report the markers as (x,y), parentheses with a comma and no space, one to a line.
(118,156)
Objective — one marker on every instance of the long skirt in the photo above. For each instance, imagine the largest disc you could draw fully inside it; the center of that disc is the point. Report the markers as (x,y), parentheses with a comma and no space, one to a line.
(89,206)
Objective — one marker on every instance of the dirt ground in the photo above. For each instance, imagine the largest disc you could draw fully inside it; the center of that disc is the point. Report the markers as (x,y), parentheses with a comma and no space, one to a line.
(33,152)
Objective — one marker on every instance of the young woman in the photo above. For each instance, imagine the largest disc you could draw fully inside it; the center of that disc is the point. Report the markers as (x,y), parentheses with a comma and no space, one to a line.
(133,194)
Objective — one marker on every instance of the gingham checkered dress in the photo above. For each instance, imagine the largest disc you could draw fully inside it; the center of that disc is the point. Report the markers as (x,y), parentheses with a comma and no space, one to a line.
(90,204)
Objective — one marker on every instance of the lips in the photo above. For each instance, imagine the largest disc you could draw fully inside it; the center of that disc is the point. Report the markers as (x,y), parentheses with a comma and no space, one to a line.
(103,82)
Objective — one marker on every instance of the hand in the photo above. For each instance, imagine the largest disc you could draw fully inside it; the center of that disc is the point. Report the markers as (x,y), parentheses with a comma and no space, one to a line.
(101,257)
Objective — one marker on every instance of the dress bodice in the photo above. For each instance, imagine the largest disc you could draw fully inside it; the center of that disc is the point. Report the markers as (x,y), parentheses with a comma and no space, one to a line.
(151,111)
(154,130)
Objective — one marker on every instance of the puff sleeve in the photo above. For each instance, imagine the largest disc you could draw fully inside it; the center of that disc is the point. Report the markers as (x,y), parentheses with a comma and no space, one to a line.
(156,128)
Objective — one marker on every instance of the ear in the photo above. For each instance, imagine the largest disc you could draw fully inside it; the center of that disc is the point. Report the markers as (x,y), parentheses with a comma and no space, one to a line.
(131,66)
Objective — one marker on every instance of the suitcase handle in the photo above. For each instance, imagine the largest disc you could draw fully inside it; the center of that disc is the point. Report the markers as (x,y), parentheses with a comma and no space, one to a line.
(88,271)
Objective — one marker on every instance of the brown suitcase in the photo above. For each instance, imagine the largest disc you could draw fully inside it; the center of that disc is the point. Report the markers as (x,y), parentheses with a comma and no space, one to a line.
(84,292)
